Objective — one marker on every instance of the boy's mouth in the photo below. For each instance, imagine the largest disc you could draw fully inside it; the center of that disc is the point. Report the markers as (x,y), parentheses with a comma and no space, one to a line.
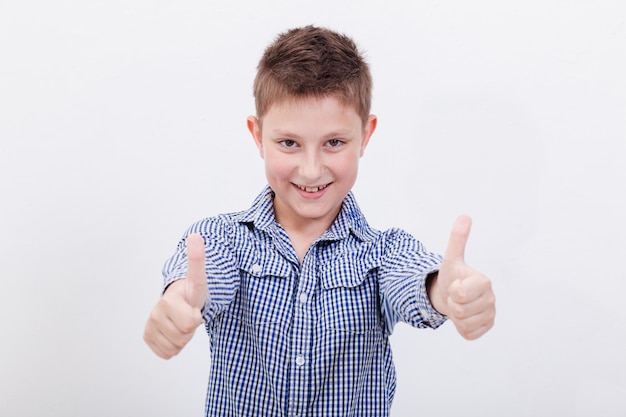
(311,189)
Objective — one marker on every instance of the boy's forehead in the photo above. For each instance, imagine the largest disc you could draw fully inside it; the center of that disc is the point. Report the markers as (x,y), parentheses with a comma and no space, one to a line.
(296,103)
(311,117)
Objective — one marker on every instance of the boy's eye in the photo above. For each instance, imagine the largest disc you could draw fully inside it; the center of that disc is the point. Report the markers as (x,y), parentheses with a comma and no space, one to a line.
(288,143)
(333,143)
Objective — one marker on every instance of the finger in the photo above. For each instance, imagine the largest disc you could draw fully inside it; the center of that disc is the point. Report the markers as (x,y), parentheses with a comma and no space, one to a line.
(196,287)
(474,314)
(161,345)
(469,298)
(469,289)
(181,320)
(156,348)
(172,322)
(474,332)
(156,338)
(174,312)
(164,347)
(483,306)
(458,239)
(174,340)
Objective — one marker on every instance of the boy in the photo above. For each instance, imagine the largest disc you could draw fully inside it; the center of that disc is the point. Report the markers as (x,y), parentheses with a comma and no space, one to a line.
(298,293)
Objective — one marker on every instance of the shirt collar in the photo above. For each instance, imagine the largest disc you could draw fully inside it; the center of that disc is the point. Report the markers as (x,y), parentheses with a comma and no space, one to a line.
(261,214)
(349,220)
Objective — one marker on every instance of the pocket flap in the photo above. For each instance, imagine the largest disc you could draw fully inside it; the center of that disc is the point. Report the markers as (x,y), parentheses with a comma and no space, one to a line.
(269,266)
(346,272)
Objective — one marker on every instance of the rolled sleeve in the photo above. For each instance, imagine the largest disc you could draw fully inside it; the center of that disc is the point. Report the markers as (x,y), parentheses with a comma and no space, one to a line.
(429,314)
(402,279)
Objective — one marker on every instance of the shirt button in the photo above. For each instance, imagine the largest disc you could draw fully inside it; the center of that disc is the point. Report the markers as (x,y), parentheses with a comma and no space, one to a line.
(256,268)
(303,298)
(300,360)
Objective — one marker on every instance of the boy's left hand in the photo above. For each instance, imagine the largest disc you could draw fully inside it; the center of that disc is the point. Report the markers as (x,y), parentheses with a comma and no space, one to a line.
(462,293)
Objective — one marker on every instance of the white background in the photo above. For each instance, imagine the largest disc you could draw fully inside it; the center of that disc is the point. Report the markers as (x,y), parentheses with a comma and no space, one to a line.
(122,122)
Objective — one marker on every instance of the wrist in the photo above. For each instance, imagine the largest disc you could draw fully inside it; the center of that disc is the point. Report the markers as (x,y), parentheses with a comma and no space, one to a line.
(433,289)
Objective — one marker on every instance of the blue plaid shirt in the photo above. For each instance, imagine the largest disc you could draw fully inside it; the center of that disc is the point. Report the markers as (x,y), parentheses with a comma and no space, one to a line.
(312,339)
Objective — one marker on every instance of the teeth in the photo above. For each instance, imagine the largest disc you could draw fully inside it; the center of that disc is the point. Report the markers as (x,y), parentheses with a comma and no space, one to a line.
(312,189)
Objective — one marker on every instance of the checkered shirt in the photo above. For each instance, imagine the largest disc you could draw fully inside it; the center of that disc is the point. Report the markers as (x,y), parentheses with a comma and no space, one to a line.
(310,339)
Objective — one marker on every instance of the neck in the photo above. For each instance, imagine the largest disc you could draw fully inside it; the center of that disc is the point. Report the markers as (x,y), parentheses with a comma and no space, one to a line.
(303,234)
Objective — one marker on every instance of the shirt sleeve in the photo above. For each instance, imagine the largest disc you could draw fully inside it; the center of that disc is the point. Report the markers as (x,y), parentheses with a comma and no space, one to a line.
(402,282)
(220,264)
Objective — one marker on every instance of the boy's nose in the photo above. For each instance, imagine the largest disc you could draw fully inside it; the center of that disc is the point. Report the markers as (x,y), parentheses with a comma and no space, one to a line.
(311,166)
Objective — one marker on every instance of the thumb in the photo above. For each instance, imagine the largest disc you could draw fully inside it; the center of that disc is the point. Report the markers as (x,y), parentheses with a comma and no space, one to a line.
(458,239)
(195,282)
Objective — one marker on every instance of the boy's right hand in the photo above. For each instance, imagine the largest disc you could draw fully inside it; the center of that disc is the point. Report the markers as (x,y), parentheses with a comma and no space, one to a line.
(176,316)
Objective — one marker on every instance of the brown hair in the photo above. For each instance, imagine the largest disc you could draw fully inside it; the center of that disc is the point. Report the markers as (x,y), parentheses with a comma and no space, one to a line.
(313,62)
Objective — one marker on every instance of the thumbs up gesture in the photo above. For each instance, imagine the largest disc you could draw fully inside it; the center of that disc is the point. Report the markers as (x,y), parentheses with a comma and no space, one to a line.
(177,314)
(460,292)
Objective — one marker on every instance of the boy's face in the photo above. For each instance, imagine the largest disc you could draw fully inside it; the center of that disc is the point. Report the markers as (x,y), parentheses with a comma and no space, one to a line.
(311,148)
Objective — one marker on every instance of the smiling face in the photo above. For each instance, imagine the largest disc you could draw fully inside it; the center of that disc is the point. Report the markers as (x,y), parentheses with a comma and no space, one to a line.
(311,147)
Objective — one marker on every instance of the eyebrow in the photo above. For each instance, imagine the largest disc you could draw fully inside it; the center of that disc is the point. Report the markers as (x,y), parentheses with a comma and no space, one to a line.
(334,134)
(284,134)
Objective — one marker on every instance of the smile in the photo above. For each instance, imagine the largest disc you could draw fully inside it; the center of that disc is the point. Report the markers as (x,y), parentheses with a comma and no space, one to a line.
(311,189)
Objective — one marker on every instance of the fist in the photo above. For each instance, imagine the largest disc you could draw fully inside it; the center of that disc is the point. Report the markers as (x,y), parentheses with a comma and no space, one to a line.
(465,295)
(174,319)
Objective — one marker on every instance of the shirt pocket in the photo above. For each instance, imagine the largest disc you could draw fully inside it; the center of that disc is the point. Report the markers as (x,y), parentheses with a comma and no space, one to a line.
(264,294)
(349,297)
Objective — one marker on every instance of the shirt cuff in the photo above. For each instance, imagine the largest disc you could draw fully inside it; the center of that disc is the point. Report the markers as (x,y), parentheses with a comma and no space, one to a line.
(427,311)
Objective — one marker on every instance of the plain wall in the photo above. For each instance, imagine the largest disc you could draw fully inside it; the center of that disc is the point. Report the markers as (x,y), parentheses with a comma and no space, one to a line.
(122,122)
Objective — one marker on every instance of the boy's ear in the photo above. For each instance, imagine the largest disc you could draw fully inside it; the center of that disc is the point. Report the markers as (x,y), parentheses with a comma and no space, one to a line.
(255,131)
(368,131)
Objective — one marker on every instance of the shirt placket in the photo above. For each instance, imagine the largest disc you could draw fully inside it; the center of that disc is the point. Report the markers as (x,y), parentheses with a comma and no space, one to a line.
(302,331)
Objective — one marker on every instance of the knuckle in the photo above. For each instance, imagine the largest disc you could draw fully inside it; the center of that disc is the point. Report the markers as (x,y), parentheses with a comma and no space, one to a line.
(171,351)
(463,329)
(457,311)
(190,323)
(471,336)
(154,317)
(459,293)
(165,303)
(187,327)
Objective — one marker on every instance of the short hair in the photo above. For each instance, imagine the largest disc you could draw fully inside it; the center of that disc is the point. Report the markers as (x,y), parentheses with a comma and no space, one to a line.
(313,62)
